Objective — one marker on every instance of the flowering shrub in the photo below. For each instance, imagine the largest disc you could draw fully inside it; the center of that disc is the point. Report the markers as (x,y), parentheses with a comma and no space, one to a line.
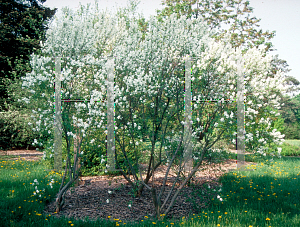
(144,70)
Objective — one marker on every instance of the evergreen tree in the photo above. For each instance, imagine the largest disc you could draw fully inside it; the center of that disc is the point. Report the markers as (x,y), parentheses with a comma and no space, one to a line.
(23,24)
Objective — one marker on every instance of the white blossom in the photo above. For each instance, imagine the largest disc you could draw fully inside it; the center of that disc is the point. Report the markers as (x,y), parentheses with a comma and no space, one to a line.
(78,36)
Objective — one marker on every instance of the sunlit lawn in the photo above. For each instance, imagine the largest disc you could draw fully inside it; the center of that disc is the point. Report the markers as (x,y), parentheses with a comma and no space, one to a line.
(293,142)
(267,196)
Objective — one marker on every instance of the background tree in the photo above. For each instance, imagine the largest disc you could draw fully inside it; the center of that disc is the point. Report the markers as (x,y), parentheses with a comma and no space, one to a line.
(218,12)
(289,112)
(291,115)
(22,26)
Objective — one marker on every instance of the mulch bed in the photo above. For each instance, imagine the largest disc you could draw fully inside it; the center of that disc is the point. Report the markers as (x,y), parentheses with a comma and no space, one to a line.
(90,201)
(28,155)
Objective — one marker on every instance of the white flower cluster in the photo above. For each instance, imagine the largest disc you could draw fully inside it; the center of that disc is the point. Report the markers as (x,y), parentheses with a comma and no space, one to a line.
(36,191)
(102,159)
(77,36)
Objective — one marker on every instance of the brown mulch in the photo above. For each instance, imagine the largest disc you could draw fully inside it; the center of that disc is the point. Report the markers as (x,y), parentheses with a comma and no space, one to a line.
(89,198)
(28,155)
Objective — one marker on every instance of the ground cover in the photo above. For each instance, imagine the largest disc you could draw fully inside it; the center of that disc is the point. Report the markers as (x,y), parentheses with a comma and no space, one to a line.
(267,196)
(293,142)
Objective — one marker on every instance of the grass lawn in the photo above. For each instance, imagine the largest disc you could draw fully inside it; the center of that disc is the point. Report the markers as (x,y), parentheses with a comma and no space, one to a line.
(268,196)
(293,142)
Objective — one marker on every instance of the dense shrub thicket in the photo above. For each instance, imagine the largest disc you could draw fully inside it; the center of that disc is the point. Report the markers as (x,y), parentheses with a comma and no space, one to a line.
(94,155)
(15,133)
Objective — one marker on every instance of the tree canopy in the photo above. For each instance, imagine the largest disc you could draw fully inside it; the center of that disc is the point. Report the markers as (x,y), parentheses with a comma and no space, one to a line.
(243,28)
(23,25)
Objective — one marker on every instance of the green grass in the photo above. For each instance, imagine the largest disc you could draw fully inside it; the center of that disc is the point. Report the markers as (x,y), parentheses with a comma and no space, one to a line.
(267,196)
(293,142)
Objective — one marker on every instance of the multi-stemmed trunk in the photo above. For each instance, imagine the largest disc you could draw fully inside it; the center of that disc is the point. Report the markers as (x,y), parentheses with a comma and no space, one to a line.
(74,172)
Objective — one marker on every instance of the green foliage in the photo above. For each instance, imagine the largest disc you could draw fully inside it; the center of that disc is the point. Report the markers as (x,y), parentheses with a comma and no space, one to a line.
(287,150)
(279,125)
(93,153)
(290,150)
(292,131)
(215,13)
(16,133)
(290,113)
(92,165)
(22,28)
(293,142)
(130,153)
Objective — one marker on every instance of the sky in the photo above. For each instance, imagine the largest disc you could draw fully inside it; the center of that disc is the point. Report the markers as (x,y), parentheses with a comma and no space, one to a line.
(283,16)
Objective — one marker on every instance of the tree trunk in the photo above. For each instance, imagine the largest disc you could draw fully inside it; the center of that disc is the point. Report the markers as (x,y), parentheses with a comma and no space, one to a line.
(74,178)
(157,203)
(76,144)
